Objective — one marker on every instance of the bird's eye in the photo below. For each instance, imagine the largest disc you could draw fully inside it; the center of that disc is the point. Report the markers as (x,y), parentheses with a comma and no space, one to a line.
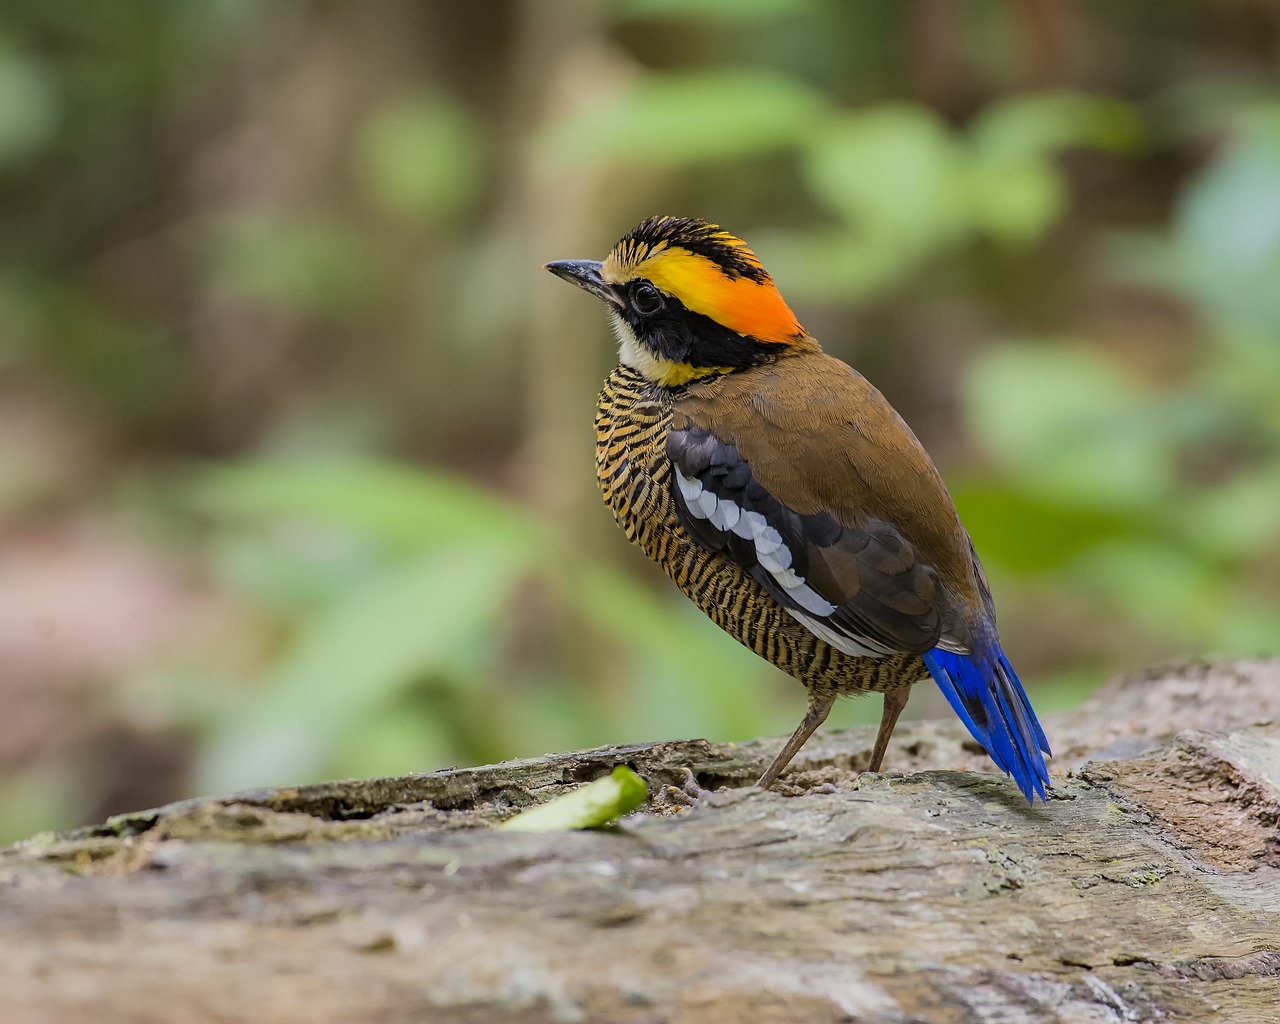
(646,299)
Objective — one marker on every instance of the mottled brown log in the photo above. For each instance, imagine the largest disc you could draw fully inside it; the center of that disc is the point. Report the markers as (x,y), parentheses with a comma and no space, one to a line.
(1148,888)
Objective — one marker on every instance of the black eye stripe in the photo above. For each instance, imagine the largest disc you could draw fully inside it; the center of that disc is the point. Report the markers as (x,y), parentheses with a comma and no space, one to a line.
(677,333)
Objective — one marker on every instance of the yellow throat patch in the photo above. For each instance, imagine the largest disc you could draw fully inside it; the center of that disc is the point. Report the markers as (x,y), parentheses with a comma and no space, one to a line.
(659,369)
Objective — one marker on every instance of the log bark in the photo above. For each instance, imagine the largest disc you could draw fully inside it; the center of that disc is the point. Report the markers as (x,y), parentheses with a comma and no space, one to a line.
(1147,888)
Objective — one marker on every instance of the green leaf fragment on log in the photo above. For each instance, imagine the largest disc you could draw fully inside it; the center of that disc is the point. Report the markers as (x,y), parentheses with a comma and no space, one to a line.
(591,806)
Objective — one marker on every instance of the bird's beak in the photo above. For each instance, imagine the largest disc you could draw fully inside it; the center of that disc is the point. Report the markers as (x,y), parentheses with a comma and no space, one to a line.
(586,275)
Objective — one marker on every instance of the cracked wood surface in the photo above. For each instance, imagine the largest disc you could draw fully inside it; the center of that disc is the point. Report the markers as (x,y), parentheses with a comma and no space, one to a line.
(1148,888)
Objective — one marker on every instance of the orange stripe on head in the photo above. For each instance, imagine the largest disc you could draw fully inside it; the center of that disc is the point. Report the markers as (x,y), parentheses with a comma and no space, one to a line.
(752,308)
(711,271)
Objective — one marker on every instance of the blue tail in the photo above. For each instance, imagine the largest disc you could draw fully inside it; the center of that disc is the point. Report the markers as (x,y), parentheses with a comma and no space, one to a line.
(985,692)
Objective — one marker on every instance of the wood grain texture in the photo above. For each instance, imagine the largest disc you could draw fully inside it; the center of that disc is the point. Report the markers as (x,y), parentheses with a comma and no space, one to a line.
(1148,887)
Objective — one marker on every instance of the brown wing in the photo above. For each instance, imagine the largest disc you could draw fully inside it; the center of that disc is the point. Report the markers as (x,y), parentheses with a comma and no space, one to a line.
(803,474)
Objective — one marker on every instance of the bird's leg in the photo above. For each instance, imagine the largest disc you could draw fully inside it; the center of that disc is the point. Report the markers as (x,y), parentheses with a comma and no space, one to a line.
(894,702)
(689,792)
(819,708)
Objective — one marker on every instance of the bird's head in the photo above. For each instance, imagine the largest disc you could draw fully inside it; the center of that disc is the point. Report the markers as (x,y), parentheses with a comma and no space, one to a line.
(687,300)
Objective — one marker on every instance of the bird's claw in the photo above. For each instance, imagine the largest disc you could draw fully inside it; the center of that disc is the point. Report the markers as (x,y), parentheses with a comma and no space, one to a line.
(689,792)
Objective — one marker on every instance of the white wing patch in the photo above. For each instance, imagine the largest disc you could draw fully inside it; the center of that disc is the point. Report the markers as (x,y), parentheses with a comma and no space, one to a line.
(690,488)
(726,516)
(771,552)
(840,641)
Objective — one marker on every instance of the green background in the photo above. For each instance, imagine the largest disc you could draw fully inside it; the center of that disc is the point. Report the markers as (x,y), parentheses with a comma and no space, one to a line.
(295,437)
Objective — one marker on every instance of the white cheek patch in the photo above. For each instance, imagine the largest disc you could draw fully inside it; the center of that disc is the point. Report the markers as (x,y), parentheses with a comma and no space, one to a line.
(771,551)
(628,345)
(633,354)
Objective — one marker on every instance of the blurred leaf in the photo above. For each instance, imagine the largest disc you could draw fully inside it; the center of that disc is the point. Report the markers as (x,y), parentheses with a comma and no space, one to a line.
(698,679)
(394,741)
(21,318)
(908,186)
(310,266)
(1196,109)
(720,11)
(1227,227)
(554,716)
(353,658)
(1159,584)
(419,158)
(833,265)
(1016,201)
(1147,257)
(114,359)
(615,601)
(1238,519)
(1064,690)
(1017,190)
(690,117)
(1243,376)
(293,568)
(1032,127)
(397,506)
(35,798)
(895,173)
(1070,422)
(1248,624)
(591,806)
(1224,251)
(28,105)
(1031,535)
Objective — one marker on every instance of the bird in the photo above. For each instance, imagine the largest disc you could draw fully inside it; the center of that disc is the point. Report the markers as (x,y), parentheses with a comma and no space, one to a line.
(784,495)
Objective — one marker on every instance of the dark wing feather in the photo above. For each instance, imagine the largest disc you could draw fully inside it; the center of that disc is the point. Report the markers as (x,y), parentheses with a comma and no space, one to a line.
(861,586)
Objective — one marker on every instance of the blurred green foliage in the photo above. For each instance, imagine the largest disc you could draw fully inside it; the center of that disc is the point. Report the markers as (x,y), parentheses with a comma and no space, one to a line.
(268,274)
(398,586)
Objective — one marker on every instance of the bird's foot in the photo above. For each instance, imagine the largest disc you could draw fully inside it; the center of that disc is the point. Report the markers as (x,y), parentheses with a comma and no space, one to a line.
(688,793)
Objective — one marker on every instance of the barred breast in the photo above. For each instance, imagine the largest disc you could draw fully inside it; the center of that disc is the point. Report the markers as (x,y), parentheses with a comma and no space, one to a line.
(633,417)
